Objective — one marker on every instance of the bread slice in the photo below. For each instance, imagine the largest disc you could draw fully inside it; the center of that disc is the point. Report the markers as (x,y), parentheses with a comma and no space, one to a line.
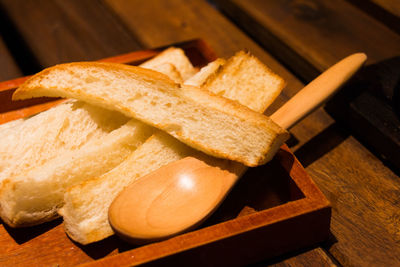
(86,205)
(205,73)
(31,142)
(245,76)
(64,143)
(174,56)
(170,70)
(172,62)
(70,125)
(241,78)
(206,122)
(10,124)
(34,196)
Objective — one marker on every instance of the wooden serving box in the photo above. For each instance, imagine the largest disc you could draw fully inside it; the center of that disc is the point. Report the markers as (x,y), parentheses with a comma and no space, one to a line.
(274,209)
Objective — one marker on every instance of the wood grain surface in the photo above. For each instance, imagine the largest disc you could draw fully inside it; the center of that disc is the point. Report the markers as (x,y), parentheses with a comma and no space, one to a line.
(63,31)
(307,37)
(315,257)
(390,5)
(8,67)
(311,35)
(385,11)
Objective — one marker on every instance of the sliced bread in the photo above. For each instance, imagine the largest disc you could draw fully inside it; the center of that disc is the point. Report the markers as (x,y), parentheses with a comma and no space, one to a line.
(205,73)
(202,120)
(245,76)
(31,142)
(68,143)
(86,205)
(175,56)
(34,196)
(170,70)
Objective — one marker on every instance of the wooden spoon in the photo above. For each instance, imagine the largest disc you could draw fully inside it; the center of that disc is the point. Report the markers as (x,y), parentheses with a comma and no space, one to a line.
(183,194)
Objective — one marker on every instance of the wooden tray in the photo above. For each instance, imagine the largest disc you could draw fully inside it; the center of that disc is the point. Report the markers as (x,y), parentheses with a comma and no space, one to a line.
(273,209)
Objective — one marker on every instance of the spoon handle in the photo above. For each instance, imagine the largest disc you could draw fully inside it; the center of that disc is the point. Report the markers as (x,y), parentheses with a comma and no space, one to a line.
(318,91)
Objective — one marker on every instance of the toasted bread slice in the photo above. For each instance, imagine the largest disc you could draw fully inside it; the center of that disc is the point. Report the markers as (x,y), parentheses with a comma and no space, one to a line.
(206,122)
(86,205)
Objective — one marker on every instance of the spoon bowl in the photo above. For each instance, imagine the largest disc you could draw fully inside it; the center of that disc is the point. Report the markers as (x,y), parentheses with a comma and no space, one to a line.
(181,195)
(180,188)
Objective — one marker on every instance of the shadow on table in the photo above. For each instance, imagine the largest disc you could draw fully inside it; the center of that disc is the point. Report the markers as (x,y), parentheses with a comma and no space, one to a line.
(25,234)
(321,144)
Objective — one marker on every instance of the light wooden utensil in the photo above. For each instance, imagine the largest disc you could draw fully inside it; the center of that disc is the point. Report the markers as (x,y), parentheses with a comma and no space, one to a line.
(181,195)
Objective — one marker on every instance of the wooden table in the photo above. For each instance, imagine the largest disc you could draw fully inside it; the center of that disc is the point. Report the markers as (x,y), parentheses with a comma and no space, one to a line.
(297,39)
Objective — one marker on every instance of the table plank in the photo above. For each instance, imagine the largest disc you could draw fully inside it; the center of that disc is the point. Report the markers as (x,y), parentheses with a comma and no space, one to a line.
(311,35)
(158,23)
(364,198)
(8,67)
(315,257)
(62,31)
(392,6)
(385,11)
